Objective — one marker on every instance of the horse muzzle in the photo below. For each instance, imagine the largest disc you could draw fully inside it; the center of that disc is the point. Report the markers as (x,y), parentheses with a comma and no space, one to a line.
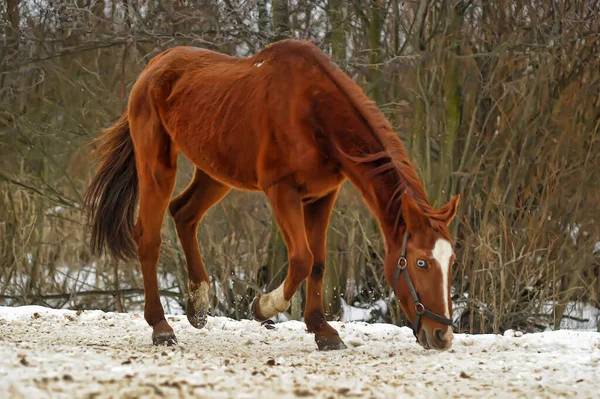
(437,339)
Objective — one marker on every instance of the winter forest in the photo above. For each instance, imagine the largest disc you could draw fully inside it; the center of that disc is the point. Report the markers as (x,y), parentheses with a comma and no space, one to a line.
(498,101)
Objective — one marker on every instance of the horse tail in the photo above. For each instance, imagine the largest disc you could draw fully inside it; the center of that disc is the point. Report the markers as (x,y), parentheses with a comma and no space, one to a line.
(112,195)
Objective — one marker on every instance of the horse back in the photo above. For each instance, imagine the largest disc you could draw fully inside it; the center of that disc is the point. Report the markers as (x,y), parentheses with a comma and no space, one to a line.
(245,121)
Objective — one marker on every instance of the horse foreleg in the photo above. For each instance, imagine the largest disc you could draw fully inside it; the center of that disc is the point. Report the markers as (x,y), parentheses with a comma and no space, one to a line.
(316,218)
(187,210)
(288,210)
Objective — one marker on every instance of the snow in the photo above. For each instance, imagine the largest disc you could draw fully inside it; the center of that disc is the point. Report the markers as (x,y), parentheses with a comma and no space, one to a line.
(576,316)
(355,313)
(66,354)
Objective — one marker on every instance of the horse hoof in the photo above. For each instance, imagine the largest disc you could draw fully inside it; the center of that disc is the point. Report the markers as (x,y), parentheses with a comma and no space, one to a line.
(268,324)
(163,335)
(164,339)
(329,342)
(196,317)
(197,304)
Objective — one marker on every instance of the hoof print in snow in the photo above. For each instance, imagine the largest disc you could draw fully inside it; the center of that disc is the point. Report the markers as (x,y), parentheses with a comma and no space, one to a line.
(329,343)
(355,342)
(164,339)
(464,375)
(302,393)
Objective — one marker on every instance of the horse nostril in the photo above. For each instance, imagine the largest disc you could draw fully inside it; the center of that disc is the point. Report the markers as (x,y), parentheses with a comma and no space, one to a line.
(439,335)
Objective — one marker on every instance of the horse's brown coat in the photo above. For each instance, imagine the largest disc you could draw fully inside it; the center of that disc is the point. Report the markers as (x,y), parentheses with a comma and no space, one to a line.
(287,122)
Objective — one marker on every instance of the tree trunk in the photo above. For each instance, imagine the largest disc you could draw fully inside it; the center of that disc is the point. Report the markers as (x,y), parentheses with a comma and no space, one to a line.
(281,19)
(452,116)
(375,27)
(336,10)
(14,20)
(264,22)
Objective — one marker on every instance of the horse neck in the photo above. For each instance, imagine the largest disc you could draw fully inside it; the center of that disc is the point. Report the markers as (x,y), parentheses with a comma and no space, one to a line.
(382,191)
(378,166)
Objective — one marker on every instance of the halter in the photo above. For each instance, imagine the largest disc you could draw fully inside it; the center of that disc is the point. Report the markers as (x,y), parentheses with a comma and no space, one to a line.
(419,307)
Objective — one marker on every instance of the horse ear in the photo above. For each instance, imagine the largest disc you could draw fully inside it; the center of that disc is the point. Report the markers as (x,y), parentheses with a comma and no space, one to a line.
(413,216)
(447,212)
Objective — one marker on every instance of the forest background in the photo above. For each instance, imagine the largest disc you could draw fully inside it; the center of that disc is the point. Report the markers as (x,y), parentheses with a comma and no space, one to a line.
(496,100)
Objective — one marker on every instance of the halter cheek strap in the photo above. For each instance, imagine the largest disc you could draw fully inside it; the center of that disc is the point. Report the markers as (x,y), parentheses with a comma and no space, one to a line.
(420,310)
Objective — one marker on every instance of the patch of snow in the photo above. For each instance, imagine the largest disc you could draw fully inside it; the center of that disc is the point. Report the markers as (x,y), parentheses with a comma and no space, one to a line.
(574,232)
(68,354)
(57,210)
(170,305)
(576,316)
(354,313)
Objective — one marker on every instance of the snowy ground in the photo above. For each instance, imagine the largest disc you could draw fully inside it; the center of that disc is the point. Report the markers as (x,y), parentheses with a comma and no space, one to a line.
(47,353)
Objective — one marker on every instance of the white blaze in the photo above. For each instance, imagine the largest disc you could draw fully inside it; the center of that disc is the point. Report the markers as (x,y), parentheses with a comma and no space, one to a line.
(442,251)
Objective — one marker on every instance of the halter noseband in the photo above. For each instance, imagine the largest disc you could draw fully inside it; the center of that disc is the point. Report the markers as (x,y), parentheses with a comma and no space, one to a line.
(420,310)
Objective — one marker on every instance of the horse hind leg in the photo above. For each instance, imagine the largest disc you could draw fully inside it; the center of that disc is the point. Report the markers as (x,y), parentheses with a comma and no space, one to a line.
(187,210)
(157,166)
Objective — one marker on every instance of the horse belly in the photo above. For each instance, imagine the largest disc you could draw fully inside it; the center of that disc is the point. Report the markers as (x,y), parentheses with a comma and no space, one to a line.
(223,161)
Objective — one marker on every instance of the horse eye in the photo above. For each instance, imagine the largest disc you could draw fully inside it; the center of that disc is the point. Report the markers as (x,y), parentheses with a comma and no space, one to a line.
(421,263)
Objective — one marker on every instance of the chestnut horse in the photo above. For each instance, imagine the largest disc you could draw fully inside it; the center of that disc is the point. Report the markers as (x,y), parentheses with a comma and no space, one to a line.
(288,122)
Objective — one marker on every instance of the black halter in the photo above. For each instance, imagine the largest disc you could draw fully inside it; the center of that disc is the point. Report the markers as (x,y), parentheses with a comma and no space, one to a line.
(419,307)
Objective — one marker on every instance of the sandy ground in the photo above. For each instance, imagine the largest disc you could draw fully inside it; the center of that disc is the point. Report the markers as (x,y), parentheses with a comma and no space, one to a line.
(48,353)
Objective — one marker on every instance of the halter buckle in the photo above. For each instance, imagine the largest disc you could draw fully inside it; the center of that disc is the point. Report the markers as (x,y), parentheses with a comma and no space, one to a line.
(402,263)
(419,308)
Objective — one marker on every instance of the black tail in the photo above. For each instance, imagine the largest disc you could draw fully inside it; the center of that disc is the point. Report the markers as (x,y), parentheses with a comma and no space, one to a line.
(112,196)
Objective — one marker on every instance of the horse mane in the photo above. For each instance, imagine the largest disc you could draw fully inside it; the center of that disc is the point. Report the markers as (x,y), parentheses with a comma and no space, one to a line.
(392,157)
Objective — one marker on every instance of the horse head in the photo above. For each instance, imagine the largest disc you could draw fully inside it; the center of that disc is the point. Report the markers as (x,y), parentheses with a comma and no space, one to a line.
(419,269)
